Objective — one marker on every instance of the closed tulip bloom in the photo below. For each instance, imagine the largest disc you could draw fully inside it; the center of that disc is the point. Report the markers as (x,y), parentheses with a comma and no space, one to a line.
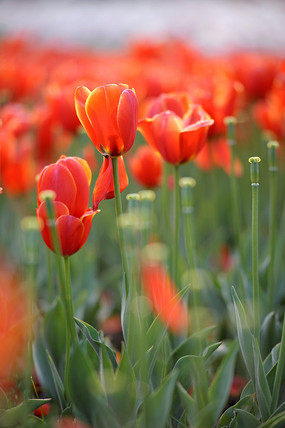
(146,167)
(177,139)
(70,179)
(109,115)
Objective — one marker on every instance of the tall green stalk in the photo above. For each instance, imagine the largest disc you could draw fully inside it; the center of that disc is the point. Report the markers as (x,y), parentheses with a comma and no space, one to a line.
(187,184)
(272,146)
(279,371)
(254,175)
(231,130)
(119,212)
(176,213)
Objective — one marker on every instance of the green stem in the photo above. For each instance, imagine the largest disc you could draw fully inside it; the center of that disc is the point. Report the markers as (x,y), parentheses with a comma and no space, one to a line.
(272,145)
(49,276)
(230,122)
(176,213)
(187,184)
(68,300)
(119,212)
(255,279)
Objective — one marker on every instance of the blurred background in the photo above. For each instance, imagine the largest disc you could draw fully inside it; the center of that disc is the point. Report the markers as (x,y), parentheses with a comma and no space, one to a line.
(211,25)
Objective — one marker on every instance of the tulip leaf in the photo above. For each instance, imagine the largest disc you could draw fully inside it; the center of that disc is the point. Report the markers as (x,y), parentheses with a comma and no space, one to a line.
(221,384)
(87,392)
(10,418)
(43,369)
(277,421)
(157,405)
(188,404)
(96,340)
(57,382)
(208,351)
(245,336)
(262,388)
(190,345)
(55,333)
(121,392)
(248,404)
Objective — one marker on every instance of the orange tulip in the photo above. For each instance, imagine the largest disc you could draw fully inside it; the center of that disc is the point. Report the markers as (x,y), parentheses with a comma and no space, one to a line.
(109,115)
(162,294)
(178,140)
(146,167)
(14,324)
(69,178)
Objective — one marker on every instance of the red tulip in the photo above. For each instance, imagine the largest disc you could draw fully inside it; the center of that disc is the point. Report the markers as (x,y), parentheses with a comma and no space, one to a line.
(178,140)
(162,294)
(146,166)
(69,178)
(109,115)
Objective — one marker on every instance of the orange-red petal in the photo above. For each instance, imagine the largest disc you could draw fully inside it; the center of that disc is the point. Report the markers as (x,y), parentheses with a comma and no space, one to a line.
(81,95)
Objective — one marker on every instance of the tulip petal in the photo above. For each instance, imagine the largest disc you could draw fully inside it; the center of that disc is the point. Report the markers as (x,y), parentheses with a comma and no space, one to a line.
(82,186)
(58,178)
(127,118)
(104,187)
(87,222)
(81,95)
(43,219)
(71,231)
(101,109)
(166,129)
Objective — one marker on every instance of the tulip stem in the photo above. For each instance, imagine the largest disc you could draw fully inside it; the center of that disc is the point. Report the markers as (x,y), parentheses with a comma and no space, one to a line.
(272,145)
(68,300)
(254,172)
(119,212)
(176,213)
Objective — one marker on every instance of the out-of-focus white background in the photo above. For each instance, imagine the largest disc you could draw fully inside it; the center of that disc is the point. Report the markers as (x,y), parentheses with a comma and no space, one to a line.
(212,25)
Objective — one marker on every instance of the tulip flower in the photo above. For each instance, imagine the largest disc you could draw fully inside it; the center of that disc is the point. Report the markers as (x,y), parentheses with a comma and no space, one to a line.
(69,178)
(14,324)
(109,115)
(162,293)
(177,139)
(146,166)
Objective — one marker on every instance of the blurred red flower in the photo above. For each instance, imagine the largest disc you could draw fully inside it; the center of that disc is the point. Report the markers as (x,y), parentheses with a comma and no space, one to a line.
(162,293)
(109,115)
(14,325)
(70,179)
(146,167)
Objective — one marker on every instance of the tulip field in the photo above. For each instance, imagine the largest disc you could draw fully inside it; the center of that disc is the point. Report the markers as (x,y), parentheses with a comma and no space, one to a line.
(142,225)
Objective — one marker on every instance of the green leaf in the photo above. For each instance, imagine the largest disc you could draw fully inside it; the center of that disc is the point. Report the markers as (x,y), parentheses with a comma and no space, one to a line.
(246,419)
(86,391)
(188,404)
(96,340)
(57,382)
(277,421)
(262,388)
(190,344)
(121,390)
(221,384)
(208,351)
(156,407)
(12,417)
(55,333)
(245,336)
(247,404)
(43,368)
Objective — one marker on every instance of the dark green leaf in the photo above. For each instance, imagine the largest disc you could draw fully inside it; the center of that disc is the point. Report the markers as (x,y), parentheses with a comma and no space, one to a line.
(12,417)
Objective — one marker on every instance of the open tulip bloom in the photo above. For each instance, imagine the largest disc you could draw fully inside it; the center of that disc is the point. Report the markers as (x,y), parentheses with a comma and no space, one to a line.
(177,139)
(109,115)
